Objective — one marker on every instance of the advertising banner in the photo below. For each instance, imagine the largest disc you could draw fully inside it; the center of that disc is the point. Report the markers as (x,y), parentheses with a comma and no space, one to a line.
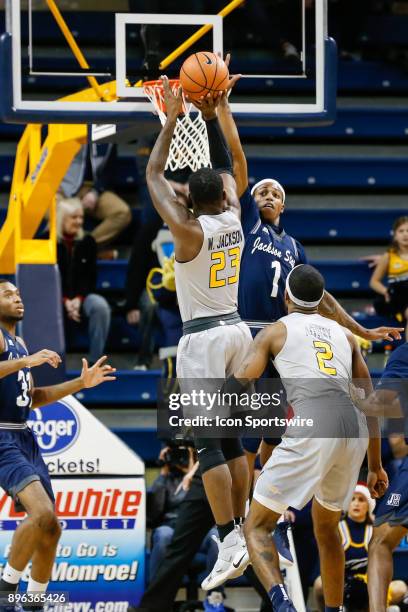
(100,495)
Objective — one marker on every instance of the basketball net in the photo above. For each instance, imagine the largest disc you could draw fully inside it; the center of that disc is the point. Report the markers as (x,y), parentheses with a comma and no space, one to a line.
(189,145)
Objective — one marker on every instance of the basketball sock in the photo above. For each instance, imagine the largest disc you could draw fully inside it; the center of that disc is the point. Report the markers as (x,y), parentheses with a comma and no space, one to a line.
(224,530)
(239,520)
(36,587)
(278,595)
(10,578)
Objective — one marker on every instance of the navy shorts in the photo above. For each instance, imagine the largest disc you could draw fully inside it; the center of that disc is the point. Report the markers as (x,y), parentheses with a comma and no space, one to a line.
(393,508)
(21,463)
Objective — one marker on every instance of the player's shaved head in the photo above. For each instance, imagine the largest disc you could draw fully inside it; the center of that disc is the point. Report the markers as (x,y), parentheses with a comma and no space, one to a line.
(206,187)
(305,286)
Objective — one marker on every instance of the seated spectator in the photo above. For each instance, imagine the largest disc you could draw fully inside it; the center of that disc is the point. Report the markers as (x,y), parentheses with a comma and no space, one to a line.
(356,530)
(76,255)
(393,296)
(89,178)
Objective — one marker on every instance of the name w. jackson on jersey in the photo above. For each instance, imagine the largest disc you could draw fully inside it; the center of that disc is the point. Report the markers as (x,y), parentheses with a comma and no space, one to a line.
(208,285)
(15,397)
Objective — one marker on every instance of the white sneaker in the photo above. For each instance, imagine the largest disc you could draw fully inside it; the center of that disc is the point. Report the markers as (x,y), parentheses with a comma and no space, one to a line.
(240,529)
(232,560)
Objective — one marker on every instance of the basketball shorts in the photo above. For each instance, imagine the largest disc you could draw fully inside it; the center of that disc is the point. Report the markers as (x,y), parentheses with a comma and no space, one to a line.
(21,463)
(302,468)
(393,508)
(213,353)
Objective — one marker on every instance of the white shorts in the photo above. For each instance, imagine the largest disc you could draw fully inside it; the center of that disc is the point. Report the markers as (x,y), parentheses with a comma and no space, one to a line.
(302,468)
(213,353)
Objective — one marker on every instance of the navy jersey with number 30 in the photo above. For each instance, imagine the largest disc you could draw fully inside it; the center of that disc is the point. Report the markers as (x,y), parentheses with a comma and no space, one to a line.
(15,396)
(269,255)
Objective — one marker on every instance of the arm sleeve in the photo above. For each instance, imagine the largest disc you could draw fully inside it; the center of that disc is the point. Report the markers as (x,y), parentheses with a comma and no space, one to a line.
(219,153)
(249,212)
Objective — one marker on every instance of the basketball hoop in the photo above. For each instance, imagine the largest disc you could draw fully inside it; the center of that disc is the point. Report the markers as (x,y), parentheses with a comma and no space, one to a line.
(189,145)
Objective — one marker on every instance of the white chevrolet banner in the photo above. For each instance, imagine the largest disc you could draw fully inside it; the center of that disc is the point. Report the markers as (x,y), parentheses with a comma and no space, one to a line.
(100,495)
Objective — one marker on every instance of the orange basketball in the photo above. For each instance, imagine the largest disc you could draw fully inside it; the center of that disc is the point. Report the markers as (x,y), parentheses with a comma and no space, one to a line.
(203,73)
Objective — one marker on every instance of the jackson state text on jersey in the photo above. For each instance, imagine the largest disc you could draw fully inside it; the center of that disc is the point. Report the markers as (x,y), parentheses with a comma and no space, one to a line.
(15,396)
(269,255)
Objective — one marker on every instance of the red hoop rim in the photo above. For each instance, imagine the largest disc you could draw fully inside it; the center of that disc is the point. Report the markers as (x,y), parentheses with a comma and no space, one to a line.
(156,87)
(159,82)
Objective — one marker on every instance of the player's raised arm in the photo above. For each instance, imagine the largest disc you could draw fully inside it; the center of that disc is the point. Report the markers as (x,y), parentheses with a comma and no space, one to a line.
(330,308)
(90,377)
(231,134)
(220,156)
(180,220)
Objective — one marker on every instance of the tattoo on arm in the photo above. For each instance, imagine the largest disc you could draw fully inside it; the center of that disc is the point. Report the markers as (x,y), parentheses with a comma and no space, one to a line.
(331,309)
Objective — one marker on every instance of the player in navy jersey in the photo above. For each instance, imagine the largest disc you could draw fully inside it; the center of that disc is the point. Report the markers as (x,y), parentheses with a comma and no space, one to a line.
(23,473)
(391,523)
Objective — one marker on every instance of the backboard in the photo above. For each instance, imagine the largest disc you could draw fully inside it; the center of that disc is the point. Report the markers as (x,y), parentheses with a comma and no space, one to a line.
(48,54)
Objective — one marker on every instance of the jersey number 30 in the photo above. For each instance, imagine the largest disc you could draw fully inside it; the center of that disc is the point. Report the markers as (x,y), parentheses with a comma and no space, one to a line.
(219,259)
(324,354)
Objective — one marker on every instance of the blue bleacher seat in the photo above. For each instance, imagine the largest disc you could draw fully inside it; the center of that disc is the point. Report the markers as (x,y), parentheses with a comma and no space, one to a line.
(306,172)
(341,276)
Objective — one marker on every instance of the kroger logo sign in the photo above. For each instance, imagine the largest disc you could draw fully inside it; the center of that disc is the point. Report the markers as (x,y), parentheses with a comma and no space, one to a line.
(56,427)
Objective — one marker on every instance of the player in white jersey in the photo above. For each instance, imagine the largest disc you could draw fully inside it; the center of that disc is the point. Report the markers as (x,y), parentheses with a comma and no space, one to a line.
(316,359)
(208,242)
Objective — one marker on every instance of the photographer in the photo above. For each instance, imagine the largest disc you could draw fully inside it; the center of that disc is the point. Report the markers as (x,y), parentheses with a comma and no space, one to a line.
(165,496)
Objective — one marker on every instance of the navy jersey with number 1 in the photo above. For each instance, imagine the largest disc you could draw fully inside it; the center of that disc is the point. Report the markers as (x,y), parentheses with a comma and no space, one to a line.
(269,255)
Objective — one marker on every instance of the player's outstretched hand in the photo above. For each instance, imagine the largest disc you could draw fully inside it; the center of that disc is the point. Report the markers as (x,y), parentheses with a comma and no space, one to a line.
(377,482)
(383,333)
(173,102)
(97,374)
(234,77)
(43,356)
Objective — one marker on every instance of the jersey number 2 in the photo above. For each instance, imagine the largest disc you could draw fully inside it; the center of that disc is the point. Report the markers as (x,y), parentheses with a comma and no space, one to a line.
(324,353)
(24,399)
(218,257)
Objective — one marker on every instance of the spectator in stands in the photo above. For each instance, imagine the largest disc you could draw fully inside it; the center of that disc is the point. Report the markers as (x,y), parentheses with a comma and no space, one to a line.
(89,178)
(356,530)
(77,262)
(393,296)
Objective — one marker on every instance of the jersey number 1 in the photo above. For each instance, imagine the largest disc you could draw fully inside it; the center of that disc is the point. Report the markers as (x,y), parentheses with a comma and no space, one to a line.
(275,283)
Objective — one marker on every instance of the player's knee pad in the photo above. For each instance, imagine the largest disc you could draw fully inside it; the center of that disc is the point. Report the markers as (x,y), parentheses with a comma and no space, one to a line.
(209,453)
(232,448)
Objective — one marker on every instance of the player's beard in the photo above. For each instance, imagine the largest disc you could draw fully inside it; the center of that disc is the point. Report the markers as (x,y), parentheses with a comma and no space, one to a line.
(13,319)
